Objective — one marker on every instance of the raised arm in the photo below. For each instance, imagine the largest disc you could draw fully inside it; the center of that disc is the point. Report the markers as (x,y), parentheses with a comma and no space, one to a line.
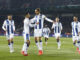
(47,19)
(49,31)
(52,26)
(32,20)
(4,26)
(32,25)
(13,26)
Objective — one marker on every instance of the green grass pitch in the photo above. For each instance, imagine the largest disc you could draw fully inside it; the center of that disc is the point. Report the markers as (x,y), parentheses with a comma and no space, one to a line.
(67,51)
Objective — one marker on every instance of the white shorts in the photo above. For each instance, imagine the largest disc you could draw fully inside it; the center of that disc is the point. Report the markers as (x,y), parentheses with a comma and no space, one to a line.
(26,37)
(38,33)
(74,38)
(57,35)
(46,36)
(10,36)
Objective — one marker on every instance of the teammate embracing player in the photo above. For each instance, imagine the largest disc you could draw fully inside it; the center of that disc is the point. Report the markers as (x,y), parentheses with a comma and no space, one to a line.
(76,32)
(38,28)
(57,26)
(9,28)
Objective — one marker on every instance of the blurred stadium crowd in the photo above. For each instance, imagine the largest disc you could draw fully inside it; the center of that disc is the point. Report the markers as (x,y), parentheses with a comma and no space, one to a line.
(64,9)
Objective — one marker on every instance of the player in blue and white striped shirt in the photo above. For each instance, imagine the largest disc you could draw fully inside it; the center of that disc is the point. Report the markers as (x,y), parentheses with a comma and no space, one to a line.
(57,26)
(46,32)
(9,28)
(75,32)
(38,28)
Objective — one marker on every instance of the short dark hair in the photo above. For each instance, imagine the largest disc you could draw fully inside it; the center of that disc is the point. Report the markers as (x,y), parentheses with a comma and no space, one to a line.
(38,9)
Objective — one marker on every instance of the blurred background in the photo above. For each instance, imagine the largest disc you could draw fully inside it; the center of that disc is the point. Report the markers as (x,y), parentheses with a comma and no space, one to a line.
(64,9)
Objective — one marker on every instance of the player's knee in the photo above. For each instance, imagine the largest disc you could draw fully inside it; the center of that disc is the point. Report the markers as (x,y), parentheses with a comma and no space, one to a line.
(8,41)
(36,41)
(40,40)
(57,40)
(35,38)
(28,44)
(28,41)
(11,41)
(74,43)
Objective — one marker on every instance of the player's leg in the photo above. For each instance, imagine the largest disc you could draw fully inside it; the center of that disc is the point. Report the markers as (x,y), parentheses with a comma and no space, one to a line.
(57,36)
(46,40)
(75,42)
(41,47)
(37,43)
(8,38)
(58,42)
(79,43)
(36,35)
(11,43)
(78,49)
(25,45)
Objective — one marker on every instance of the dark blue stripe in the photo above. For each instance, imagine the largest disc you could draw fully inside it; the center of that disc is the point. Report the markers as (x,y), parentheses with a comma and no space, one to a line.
(39,23)
(27,36)
(55,29)
(73,30)
(58,30)
(8,27)
(36,22)
(47,32)
(77,31)
(36,25)
(11,28)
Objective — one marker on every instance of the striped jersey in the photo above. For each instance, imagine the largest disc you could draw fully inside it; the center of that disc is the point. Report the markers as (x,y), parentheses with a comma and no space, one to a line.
(40,18)
(75,28)
(9,26)
(57,26)
(46,31)
(27,25)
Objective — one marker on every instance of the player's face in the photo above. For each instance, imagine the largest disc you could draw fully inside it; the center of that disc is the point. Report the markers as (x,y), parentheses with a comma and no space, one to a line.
(37,12)
(28,15)
(75,19)
(57,19)
(10,17)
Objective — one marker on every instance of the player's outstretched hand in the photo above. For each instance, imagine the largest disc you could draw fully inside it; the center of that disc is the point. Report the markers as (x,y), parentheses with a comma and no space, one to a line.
(37,23)
(53,22)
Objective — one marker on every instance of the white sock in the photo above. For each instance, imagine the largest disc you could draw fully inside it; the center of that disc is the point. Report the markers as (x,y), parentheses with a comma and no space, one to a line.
(59,44)
(38,45)
(77,45)
(11,46)
(23,48)
(41,45)
(46,43)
